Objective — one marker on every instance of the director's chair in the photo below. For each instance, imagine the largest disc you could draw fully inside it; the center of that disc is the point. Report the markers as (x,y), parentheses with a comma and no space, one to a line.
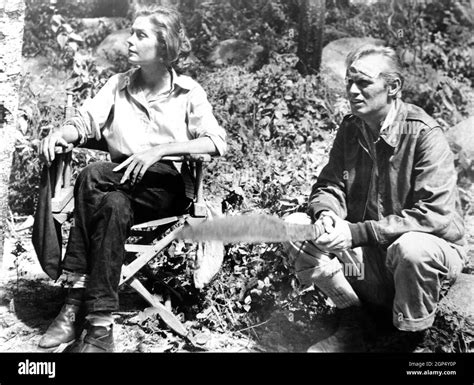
(150,238)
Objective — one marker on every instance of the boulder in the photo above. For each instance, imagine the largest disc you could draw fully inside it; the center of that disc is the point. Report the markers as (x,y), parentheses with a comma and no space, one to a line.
(237,52)
(451,332)
(460,299)
(113,46)
(333,67)
(461,141)
(90,25)
(461,136)
(453,329)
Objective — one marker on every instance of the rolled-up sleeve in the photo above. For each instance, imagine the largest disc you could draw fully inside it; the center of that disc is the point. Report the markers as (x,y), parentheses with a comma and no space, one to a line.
(91,117)
(201,120)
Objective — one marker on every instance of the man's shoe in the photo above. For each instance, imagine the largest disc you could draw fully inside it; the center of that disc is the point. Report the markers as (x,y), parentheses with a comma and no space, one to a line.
(65,327)
(348,338)
(98,339)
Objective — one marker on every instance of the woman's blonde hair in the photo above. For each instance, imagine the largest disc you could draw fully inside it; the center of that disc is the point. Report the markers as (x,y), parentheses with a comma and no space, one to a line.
(169,30)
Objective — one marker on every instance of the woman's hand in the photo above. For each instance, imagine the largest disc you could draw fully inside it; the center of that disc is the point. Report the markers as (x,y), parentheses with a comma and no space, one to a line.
(138,164)
(337,236)
(48,144)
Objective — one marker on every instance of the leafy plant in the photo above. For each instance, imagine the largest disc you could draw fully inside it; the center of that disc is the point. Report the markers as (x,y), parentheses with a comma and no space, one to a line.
(280,125)
(215,21)
(433,41)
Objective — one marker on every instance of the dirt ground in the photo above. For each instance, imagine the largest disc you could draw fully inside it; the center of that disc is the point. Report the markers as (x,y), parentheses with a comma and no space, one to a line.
(29,301)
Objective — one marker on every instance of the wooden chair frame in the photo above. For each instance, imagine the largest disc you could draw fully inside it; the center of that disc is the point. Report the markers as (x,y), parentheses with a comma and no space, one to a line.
(149,244)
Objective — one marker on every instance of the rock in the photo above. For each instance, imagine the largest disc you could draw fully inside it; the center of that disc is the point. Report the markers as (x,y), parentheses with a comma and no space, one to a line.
(333,67)
(90,25)
(113,46)
(453,328)
(460,299)
(237,52)
(461,141)
(461,136)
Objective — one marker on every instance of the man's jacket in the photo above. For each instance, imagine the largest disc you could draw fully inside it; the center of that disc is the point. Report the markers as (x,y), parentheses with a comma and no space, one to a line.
(404,181)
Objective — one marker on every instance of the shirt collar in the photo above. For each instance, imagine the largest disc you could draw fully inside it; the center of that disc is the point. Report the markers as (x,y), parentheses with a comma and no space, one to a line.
(392,127)
(128,78)
(181,81)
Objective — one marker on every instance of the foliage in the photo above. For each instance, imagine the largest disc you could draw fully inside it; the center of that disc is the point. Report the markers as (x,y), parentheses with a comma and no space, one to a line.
(451,334)
(215,21)
(276,151)
(280,127)
(433,41)
(45,31)
(48,33)
(274,104)
(40,115)
(98,8)
(51,33)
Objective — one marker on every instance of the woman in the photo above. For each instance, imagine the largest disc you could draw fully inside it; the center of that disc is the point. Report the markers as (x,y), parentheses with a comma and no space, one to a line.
(144,114)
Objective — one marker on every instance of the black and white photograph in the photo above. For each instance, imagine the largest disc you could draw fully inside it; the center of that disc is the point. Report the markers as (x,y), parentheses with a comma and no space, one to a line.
(236,191)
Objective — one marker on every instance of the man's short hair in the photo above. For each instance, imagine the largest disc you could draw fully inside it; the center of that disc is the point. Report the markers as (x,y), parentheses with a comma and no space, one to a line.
(394,64)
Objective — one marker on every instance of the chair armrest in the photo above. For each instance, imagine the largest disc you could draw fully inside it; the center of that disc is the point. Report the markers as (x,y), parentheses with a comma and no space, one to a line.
(205,158)
(199,206)
(62,150)
(63,176)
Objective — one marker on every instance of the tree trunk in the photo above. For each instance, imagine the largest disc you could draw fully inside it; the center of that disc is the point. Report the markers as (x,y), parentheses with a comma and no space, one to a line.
(310,36)
(12,14)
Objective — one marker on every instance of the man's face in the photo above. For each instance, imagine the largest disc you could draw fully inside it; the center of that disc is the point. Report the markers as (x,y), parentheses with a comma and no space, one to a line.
(366,90)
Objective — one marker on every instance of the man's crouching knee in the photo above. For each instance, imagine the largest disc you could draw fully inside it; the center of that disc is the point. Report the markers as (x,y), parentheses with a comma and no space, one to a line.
(315,266)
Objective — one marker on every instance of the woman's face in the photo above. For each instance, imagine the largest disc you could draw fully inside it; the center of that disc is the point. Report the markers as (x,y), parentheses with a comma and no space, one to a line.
(143,47)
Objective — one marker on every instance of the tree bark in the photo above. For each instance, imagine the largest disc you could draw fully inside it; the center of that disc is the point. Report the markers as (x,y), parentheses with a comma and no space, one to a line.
(12,14)
(310,36)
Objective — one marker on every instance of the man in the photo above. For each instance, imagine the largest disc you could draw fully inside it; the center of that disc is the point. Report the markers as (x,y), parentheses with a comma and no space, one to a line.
(389,204)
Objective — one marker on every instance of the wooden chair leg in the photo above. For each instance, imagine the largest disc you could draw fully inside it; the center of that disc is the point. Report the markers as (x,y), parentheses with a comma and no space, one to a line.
(148,254)
(199,209)
(167,316)
(145,254)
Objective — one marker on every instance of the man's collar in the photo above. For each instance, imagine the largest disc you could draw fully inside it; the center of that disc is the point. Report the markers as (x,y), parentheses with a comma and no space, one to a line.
(392,126)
